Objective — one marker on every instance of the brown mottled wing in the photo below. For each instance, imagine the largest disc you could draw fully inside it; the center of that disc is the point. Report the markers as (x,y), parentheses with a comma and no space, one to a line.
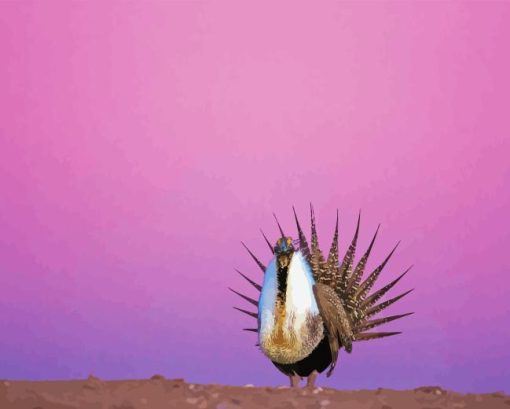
(336,321)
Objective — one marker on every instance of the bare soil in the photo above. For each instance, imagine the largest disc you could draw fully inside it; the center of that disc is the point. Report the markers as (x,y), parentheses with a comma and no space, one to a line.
(158,392)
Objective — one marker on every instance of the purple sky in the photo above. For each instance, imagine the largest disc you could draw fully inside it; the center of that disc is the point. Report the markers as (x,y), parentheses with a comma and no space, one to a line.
(140,143)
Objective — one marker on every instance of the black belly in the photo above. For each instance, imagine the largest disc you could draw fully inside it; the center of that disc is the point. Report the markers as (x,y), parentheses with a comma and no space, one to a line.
(318,360)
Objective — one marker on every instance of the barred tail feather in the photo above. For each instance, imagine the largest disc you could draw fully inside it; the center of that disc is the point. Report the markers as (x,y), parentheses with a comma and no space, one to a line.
(346,267)
(332,264)
(373,298)
(268,242)
(367,325)
(251,314)
(253,283)
(367,285)
(259,263)
(366,336)
(317,261)
(250,300)
(379,307)
(354,281)
(279,227)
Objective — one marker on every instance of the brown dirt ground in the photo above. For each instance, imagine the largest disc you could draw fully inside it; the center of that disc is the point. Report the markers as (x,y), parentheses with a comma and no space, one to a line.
(158,392)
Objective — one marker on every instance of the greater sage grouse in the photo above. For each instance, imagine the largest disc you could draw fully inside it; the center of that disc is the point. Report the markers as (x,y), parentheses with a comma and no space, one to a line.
(310,306)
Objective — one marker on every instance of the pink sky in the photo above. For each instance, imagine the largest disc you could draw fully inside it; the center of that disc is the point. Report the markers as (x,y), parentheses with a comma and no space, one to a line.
(140,142)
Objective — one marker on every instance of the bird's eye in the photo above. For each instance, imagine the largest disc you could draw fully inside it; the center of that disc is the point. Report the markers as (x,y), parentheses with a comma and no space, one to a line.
(289,242)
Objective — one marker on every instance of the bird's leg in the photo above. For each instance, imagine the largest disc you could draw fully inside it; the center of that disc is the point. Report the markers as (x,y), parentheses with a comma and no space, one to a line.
(294,380)
(310,382)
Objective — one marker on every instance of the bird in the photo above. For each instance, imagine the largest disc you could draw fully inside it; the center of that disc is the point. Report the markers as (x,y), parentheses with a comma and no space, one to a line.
(311,306)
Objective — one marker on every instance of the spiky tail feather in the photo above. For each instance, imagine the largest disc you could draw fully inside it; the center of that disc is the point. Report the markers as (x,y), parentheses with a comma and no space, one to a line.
(347,283)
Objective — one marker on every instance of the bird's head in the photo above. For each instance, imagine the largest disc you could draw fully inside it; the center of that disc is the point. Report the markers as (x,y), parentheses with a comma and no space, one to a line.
(284,245)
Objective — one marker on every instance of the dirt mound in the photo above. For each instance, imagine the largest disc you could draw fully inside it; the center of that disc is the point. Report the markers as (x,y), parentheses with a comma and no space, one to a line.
(158,392)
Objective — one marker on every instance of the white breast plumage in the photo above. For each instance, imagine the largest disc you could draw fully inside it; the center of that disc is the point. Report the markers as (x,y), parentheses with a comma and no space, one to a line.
(301,330)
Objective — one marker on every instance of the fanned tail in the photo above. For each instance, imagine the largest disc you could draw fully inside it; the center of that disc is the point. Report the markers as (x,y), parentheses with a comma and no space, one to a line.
(355,293)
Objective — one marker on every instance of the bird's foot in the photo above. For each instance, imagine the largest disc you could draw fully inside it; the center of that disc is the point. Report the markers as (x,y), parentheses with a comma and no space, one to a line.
(294,381)
(310,382)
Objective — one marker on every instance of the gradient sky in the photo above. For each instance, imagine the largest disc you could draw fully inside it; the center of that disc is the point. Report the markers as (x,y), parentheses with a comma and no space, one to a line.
(140,142)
